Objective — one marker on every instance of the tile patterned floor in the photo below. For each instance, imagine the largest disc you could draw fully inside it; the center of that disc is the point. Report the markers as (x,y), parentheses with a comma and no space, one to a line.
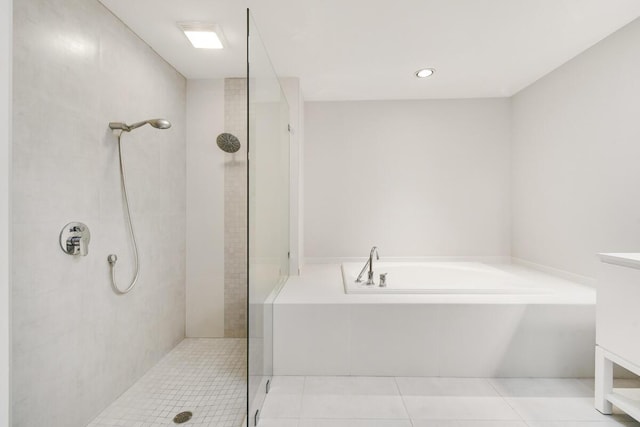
(435,402)
(204,376)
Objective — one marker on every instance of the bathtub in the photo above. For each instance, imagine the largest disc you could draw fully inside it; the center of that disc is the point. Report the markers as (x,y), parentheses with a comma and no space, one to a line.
(437,278)
(459,318)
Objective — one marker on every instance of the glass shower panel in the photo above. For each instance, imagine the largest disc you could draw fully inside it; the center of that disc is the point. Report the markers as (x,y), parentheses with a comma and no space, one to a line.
(268,203)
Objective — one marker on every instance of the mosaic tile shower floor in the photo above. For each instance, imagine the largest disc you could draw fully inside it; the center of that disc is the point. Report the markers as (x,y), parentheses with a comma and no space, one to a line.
(206,376)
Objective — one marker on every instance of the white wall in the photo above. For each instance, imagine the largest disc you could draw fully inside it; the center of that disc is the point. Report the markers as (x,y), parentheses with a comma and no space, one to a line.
(416,178)
(5,220)
(77,345)
(576,157)
(205,209)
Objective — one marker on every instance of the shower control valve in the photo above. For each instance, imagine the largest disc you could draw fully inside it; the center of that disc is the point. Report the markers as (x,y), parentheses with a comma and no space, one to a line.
(74,239)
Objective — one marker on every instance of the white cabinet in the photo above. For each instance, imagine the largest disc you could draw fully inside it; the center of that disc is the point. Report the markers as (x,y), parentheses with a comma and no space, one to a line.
(617,328)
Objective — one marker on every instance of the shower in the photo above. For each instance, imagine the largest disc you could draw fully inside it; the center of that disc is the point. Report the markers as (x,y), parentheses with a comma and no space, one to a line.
(156,123)
(228,143)
(113,258)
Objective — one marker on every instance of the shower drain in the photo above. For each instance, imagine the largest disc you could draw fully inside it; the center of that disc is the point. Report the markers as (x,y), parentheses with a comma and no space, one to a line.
(182,417)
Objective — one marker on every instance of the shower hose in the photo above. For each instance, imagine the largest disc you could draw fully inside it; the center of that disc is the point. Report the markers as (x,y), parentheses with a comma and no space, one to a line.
(113,258)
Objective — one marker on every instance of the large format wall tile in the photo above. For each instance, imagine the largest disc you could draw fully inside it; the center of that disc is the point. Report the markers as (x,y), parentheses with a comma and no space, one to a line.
(76,344)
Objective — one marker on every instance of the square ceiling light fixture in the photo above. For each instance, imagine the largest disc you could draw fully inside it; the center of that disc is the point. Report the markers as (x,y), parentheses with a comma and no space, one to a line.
(203,35)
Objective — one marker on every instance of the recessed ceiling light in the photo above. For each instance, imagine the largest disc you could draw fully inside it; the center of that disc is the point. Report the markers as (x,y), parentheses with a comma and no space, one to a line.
(425,72)
(203,35)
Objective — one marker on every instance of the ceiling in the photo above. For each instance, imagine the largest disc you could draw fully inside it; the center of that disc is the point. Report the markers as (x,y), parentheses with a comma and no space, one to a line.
(364,49)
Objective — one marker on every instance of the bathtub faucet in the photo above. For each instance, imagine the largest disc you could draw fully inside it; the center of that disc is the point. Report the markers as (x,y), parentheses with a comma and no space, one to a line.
(369,264)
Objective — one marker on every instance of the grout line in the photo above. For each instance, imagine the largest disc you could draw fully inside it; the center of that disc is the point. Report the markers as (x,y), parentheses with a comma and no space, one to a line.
(515,411)
(404,404)
(304,387)
(395,381)
(489,380)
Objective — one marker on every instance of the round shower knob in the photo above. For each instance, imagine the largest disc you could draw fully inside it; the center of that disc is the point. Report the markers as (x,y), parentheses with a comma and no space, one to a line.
(74,239)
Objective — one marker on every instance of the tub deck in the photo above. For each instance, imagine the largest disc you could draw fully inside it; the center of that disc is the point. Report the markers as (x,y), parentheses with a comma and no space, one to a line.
(321,330)
(323,284)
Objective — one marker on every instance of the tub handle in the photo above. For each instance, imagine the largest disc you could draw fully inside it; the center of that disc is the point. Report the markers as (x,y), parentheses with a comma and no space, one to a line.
(383,280)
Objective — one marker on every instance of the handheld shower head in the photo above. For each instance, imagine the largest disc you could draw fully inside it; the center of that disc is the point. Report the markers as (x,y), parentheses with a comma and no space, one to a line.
(160,123)
(156,123)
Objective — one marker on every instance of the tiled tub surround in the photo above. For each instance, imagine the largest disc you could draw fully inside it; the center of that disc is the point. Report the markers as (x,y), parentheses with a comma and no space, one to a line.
(76,344)
(206,376)
(320,330)
(436,402)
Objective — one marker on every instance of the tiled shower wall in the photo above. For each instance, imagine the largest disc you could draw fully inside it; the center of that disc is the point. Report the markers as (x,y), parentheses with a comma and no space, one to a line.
(235,211)
(76,344)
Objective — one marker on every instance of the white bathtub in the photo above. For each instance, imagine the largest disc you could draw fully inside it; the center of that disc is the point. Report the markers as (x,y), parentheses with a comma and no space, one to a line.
(475,319)
(437,278)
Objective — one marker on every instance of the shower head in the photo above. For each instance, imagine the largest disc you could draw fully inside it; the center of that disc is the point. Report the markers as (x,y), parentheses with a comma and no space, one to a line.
(228,143)
(156,123)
